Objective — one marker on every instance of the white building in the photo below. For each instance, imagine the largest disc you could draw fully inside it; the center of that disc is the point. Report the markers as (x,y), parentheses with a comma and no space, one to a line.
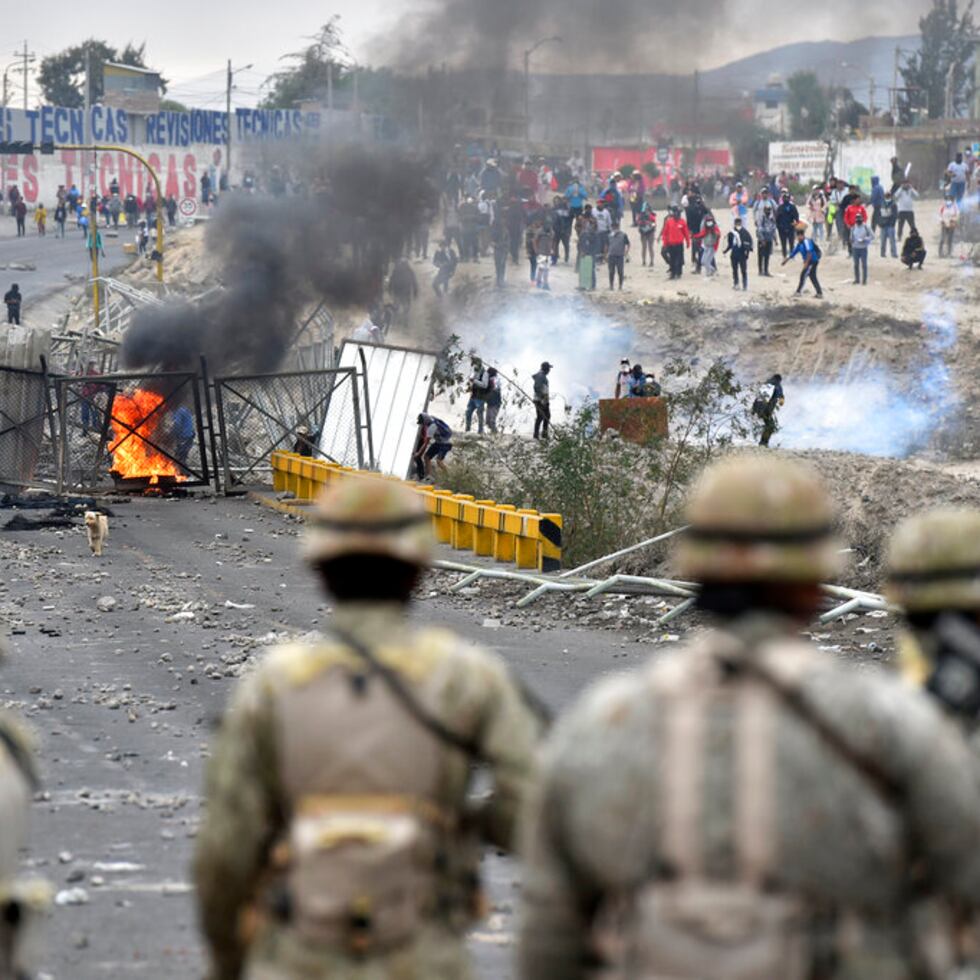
(771,106)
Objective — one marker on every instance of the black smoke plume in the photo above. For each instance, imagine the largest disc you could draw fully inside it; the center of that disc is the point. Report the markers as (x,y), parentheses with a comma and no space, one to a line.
(331,243)
(616,36)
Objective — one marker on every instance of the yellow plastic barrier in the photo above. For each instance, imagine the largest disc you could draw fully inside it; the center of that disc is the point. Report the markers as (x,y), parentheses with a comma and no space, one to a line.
(500,531)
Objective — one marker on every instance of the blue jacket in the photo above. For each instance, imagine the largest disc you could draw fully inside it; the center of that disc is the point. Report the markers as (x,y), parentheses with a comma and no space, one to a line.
(576,194)
(807,249)
(877,193)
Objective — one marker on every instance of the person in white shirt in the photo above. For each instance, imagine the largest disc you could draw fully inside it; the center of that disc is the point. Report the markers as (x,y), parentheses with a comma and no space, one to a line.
(905,200)
(958,173)
(949,216)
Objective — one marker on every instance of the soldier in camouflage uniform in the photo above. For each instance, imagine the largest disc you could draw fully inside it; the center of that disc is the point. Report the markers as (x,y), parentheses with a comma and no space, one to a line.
(339,840)
(747,808)
(21,900)
(933,572)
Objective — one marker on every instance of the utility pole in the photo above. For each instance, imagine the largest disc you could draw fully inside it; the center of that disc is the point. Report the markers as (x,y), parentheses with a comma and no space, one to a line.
(27,57)
(228,125)
(527,87)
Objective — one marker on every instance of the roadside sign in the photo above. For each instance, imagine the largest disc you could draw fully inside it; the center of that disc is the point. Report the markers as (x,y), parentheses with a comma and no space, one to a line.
(188,207)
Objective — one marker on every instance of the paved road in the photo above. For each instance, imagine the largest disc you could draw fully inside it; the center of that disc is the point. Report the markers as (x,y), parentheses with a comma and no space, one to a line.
(125,701)
(57,261)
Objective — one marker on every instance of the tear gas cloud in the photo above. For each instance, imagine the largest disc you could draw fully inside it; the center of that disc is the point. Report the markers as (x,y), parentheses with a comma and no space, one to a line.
(580,341)
(878,413)
(276,255)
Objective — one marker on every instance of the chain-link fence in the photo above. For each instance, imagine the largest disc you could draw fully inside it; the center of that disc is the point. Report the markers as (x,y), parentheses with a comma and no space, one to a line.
(259,414)
(130,432)
(26,454)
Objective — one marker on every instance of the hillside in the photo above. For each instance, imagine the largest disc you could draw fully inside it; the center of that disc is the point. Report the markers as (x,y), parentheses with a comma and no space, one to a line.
(873,56)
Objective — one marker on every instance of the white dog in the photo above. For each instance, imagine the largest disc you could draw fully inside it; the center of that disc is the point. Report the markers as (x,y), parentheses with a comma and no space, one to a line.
(97,526)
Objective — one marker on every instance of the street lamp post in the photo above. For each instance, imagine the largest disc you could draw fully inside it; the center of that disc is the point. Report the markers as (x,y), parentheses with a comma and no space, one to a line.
(527,87)
(872,85)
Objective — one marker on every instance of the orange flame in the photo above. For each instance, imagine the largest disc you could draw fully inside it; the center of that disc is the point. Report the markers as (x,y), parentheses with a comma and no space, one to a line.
(132,455)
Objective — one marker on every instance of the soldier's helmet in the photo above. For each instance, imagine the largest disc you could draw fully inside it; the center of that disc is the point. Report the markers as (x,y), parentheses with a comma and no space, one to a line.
(754,518)
(370,516)
(934,561)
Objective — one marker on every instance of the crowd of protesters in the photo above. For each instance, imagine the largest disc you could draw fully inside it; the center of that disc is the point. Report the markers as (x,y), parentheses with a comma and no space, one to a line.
(557,212)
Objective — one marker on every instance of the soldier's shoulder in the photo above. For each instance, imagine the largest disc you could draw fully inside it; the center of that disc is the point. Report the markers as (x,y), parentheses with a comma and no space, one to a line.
(19,743)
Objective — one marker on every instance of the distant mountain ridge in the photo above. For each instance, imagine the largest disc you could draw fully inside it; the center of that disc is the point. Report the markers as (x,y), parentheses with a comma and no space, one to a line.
(874,56)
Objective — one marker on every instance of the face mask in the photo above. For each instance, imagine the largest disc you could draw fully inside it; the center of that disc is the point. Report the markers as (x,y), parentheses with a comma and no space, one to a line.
(955,675)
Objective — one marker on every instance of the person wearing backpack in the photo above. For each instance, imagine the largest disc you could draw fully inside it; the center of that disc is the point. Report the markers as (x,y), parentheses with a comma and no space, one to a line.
(810,251)
(747,806)
(341,836)
(479,386)
(436,444)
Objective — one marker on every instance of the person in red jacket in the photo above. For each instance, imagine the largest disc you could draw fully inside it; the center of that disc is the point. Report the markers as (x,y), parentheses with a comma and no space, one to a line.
(853,206)
(675,235)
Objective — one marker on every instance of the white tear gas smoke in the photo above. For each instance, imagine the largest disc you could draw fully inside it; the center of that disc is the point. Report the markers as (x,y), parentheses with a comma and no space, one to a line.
(874,412)
(583,345)
(278,254)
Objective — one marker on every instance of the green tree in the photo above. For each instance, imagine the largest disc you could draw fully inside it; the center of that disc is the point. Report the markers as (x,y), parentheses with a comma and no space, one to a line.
(308,77)
(62,75)
(937,78)
(809,105)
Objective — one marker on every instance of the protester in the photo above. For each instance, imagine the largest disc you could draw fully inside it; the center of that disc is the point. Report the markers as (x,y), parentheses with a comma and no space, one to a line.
(851,206)
(738,201)
(13,299)
(561,224)
(709,238)
(913,250)
(619,249)
(767,406)
(647,224)
(957,171)
(808,249)
(542,402)
(817,204)
(60,215)
(877,199)
(604,222)
(861,239)
(479,387)
(544,241)
(949,216)
(500,243)
(436,443)
(493,399)
(905,200)
(787,217)
(738,246)
(675,235)
(623,378)
(887,217)
(765,234)
(404,288)
(445,260)
(20,215)
(41,219)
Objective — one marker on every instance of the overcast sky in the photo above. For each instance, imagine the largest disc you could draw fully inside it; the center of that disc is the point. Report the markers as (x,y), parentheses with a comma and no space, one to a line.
(190,40)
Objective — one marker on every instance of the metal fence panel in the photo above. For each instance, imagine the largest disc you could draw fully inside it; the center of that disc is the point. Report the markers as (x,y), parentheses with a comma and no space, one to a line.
(261,413)
(128,430)
(397,387)
(26,454)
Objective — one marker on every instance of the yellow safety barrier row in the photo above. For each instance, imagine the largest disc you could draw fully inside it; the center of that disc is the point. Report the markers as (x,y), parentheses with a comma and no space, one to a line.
(527,538)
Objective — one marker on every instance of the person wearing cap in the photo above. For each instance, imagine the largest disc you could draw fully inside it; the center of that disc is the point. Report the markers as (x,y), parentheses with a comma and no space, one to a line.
(623,378)
(738,200)
(861,238)
(949,218)
(746,805)
(340,838)
(767,407)
(542,401)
